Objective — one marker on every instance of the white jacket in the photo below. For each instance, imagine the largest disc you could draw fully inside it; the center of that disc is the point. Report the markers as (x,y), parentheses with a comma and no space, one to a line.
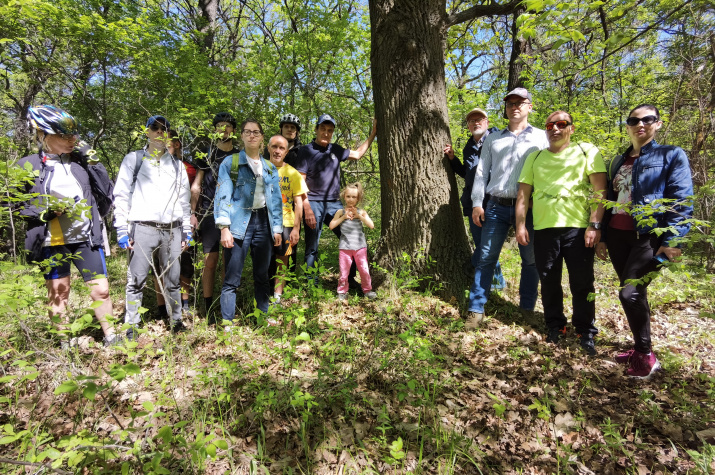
(161,195)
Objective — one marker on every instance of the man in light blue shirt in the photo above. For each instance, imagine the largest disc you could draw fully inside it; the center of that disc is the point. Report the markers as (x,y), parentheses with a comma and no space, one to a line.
(503,156)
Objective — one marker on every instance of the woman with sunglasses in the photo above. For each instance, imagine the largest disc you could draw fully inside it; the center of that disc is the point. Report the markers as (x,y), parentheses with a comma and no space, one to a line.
(644,174)
(248,210)
(63,223)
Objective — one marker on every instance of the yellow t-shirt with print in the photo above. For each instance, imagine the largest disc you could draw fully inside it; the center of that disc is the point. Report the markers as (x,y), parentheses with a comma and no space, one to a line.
(292,184)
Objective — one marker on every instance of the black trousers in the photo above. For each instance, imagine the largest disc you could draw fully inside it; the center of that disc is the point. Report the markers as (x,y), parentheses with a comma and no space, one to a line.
(632,258)
(553,247)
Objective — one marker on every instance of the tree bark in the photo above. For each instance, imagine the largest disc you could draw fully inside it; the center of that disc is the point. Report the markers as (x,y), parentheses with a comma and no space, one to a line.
(420,206)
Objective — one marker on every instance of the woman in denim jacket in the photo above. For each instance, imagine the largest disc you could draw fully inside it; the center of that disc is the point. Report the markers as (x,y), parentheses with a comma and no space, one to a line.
(647,177)
(248,210)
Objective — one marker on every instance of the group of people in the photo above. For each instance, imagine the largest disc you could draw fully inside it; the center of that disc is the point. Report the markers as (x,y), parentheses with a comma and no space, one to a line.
(163,202)
(566,205)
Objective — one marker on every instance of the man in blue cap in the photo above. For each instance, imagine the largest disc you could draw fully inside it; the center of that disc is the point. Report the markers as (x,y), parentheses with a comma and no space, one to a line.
(319,162)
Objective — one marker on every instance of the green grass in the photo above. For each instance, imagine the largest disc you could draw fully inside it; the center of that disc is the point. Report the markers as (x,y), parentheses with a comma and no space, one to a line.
(393,385)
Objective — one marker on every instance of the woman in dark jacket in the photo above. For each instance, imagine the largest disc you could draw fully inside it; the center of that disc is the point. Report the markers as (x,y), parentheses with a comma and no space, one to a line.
(641,177)
(63,223)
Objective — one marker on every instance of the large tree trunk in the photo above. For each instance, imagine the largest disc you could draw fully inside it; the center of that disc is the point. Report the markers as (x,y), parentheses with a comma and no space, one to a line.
(420,205)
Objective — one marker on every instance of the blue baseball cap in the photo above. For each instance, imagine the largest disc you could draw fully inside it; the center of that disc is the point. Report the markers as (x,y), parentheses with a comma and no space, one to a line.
(158,118)
(326,118)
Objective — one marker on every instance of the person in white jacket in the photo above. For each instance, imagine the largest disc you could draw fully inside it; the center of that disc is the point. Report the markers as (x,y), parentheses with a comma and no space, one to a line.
(152,217)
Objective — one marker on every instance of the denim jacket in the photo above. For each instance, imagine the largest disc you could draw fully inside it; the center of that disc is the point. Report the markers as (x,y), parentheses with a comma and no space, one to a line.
(233,201)
(661,171)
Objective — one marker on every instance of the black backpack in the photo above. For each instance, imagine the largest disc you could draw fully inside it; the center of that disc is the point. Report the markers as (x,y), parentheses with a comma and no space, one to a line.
(102,186)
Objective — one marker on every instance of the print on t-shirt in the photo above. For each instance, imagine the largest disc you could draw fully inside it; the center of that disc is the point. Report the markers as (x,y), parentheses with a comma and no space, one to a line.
(622,185)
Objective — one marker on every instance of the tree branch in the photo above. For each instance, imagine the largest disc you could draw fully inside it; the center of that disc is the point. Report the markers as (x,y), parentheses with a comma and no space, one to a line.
(481,11)
(615,50)
(31,464)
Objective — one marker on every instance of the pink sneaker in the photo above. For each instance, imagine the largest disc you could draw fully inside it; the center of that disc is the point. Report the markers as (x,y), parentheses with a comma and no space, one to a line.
(642,366)
(624,358)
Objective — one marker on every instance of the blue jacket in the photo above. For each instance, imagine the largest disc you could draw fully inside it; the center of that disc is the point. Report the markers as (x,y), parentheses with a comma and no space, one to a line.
(661,172)
(467,170)
(234,200)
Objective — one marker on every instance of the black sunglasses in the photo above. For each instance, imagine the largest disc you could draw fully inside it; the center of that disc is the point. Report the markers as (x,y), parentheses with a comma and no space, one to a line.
(154,127)
(647,120)
(561,124)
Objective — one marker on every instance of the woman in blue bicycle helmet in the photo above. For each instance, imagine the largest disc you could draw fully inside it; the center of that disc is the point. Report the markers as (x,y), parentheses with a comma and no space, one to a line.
(63,224)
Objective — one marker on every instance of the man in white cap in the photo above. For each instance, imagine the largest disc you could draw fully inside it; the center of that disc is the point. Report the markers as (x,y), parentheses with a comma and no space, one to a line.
(502,158)
(478,125)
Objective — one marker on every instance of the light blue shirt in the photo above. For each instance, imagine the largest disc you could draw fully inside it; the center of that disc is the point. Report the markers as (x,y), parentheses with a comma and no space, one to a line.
(503,156)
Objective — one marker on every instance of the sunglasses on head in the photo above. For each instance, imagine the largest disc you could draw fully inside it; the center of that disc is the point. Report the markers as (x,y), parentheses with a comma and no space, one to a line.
(154,127)
(561,124)
(647,120)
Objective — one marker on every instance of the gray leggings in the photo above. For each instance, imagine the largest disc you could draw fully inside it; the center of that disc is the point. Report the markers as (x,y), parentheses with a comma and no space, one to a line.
(160,248)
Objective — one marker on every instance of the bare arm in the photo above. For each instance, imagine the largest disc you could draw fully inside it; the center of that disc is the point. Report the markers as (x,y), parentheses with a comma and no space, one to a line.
(360,151)
(522,207)
(195,194)
(337,219)
(366,219)
(295,233)
(598,182)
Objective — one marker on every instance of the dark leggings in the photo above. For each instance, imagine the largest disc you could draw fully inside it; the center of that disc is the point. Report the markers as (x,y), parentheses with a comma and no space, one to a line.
(632,258)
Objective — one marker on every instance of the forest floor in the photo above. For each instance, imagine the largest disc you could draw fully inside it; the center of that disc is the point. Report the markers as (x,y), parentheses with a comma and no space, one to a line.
(394,385)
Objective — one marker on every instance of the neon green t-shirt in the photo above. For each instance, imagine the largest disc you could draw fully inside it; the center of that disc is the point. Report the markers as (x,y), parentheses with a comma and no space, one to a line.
(561,185)
(292,184)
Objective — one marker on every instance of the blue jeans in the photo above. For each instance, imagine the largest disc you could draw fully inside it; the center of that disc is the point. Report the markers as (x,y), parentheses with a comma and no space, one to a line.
(497,221)
(498,282)
(258,241)
(324,212)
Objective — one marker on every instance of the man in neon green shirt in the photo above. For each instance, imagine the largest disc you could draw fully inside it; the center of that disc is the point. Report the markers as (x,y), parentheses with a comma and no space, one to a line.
(567,180)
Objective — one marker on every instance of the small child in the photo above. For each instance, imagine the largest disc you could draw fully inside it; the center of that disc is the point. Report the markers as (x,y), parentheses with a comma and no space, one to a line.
(352,240)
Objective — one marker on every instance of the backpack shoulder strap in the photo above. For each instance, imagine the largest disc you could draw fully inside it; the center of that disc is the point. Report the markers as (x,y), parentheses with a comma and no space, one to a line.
(139,155)
(234,166)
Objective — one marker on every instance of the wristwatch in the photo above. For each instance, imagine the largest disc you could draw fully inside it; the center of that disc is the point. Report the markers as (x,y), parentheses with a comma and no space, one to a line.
(595,226)
(222,226)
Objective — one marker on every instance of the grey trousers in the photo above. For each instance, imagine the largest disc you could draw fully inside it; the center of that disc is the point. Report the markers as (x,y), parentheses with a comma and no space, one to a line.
(160,248)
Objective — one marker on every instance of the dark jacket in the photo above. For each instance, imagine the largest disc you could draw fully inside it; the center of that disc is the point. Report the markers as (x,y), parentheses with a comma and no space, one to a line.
(468,169)
(31,211)
(661,172)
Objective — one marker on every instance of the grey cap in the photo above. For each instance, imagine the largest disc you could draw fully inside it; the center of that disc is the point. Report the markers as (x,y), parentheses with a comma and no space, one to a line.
(326,118)
(519,91)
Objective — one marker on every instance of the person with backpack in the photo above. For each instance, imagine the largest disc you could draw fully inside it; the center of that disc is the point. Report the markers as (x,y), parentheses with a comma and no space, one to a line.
(203,190)
(249,211)
(63,221)
(152,218)
(567,183)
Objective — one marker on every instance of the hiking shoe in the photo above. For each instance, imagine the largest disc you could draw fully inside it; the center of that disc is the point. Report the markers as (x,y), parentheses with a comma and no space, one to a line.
(555,335)
(113,340)
(132,334)
(642,366)
(178,327)
(588,345)
(371,295)
(625,357)
(342,297)
(474,320)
